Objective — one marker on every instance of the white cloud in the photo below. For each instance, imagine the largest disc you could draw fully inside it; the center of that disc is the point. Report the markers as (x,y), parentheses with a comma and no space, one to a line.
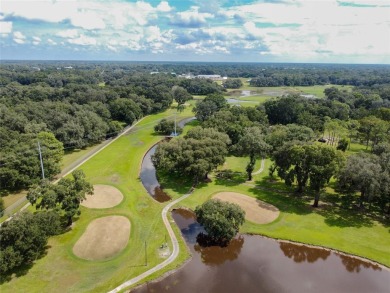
(46,10)
(51,42)
(88,20)
(5,27)
(19,38)
(164,6)
(112,48)
(83,41)
(19,41)
(37,39)
(19,35)
(191,18)
(70,33)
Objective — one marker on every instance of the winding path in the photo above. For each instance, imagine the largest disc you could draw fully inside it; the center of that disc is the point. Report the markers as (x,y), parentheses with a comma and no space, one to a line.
(170,259)
(261,167)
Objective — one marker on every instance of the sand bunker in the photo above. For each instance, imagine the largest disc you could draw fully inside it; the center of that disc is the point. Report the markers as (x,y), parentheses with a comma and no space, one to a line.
(104,196)
(256,210)
(104,238)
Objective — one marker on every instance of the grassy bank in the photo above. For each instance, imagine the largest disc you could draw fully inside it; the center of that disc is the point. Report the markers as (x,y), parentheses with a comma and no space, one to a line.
(329,226)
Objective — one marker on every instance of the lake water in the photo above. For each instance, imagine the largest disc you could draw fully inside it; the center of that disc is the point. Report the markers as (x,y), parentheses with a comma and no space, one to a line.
(148,172)
(258,264)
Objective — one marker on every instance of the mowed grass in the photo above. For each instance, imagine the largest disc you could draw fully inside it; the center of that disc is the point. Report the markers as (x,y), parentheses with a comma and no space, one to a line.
(71,156)
(329,227)
(117,165)
(317,90)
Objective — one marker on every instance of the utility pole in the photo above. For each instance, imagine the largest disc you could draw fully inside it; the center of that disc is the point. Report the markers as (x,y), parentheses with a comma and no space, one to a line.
(40,157)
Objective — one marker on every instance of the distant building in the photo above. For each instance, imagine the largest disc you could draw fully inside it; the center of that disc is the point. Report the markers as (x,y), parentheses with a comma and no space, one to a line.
(210,76)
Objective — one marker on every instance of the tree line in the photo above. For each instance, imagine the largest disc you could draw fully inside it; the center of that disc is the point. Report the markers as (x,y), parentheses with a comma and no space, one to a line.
(286,129)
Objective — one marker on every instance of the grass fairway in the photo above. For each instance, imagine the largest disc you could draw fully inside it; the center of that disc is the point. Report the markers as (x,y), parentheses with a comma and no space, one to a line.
(117,165)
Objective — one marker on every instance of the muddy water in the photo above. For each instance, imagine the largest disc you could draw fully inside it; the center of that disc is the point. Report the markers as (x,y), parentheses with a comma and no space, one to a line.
(257,264)
(148,172)
(149,178)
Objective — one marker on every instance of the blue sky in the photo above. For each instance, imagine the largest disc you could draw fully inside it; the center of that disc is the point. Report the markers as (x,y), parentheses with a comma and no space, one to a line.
(350,31)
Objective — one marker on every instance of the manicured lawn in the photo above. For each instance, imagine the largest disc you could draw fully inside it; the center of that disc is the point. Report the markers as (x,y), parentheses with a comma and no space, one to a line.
(71,156)
(117,165)
(330,227)
(317,90)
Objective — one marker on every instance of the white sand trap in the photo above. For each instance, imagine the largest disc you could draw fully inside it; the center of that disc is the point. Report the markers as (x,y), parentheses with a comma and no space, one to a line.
(256,210)
(104,238)
(104,196)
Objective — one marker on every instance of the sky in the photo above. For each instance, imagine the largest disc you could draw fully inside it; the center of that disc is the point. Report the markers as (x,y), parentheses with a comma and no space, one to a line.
(327,31)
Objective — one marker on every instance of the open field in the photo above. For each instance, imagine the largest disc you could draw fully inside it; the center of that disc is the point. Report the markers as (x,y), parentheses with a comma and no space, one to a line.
(317,90)
(256,211)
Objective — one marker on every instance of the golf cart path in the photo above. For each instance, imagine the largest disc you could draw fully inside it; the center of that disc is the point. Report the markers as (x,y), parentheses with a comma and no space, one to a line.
(261,167)
(170,259)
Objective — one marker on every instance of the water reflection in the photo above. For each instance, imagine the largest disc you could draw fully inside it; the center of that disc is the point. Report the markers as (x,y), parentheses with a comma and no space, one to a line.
(149,178)
(216,255)
(257,264)
(354,265)
(302,253)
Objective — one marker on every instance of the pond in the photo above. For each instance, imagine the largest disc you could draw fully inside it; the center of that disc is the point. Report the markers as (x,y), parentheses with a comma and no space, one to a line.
(258,264)
(148,172)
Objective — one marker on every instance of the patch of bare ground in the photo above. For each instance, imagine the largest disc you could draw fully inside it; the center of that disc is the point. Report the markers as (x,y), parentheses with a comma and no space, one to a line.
(256,211)
(104,196)
(104,238)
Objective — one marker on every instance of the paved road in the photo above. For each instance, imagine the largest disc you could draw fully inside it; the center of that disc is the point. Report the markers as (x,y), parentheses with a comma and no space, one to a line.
(170,259)
(70,169)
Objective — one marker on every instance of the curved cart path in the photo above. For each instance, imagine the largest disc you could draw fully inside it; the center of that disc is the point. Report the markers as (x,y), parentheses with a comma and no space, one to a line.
(170,259)
(261,167)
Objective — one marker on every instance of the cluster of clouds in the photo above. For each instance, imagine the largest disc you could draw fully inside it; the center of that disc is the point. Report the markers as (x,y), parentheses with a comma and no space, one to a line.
(209,30)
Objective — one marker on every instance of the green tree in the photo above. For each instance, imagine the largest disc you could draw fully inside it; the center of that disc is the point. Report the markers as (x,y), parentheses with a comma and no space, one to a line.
(180,95)
(125,110)
(195,155)
(2,207)
(221,220)
(66,195)
(373,129)
(211,104)
(166,127)
(24,238)
(252,144)
(307,163)
(233,83)
(361,173)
